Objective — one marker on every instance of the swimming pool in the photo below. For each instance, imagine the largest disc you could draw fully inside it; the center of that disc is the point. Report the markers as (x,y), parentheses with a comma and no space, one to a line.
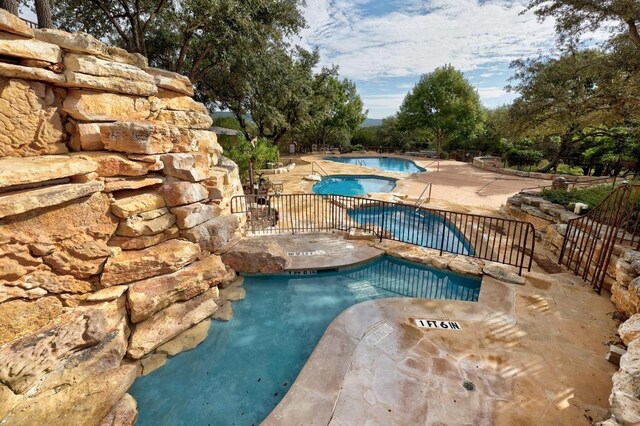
(245,367)
(353,185)
(410,225)
(390,164)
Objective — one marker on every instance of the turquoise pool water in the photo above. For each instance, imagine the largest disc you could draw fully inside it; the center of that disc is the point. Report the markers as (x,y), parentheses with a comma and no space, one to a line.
(414,226)
(245,367)
(390,164)
(353,185)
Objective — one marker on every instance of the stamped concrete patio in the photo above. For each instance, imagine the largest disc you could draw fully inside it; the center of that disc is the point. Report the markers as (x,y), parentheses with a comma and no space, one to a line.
(526,354)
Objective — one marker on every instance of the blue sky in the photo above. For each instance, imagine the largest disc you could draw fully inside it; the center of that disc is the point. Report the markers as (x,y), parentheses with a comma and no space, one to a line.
(385,45)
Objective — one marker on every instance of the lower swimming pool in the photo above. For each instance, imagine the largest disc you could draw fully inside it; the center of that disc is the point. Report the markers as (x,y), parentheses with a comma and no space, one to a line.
(353,185)
(244,368)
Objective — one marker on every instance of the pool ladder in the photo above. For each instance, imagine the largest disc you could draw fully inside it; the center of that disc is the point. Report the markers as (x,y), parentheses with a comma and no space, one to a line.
(360,162)
(320,171)
(425,196)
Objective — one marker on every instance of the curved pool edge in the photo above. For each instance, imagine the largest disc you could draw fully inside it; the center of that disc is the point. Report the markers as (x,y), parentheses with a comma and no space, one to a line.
(346,176)
(421,169)
(316,392)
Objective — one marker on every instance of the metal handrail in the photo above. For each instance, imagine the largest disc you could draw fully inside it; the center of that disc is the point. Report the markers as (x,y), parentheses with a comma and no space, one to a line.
(495,239)
(420,201)
(434,161)
(313,171)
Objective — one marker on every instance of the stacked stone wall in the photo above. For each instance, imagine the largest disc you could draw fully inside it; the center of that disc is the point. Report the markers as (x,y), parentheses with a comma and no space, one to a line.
(114,206)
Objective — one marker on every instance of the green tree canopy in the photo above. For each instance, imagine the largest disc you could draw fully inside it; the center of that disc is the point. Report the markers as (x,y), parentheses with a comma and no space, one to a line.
(445,104)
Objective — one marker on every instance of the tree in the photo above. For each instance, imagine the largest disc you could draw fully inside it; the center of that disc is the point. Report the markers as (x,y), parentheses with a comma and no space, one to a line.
(444,103)
(575,17)
(43,12)
(10,6)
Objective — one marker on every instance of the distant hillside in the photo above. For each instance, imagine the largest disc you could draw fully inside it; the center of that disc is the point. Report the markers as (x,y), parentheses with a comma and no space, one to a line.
(371,122)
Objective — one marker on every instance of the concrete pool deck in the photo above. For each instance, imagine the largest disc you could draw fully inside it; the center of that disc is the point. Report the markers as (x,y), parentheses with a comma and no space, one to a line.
(457,185)
(526,354)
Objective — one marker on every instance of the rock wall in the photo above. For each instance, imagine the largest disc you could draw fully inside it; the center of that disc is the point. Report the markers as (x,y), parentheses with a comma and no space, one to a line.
(114,206)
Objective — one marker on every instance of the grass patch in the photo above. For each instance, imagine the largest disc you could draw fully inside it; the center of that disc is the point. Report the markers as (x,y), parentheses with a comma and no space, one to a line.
(591,196)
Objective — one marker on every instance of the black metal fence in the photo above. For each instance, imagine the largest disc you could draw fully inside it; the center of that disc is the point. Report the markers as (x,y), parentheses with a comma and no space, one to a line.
(495,239)
(589,240)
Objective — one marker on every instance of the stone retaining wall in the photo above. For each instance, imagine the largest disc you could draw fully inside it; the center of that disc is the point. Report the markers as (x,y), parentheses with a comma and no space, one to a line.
(114,203)
(494,164)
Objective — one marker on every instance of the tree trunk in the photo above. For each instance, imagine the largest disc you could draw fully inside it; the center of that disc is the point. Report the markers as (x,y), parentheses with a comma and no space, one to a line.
(43,12)
(564,145)
(10,5)
(633,33)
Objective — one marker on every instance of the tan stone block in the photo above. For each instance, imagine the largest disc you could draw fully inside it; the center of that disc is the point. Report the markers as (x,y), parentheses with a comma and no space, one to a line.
(137,137)
(214,234)
(74,42)
(177,193)
(187,340)
(30,121)
(179,102)
(113,184)
(91,65)
(20,171)
(100,106)
(86,136)
(171,81)
(109,84)
(114,164)
(192,167)
(17,202)
(21,317)
(139,203)
(148,223)
(188,119)
(170,322)
(20,47)
(149,296)
(194,214)
(10,23)
(120,55)
(137,243)
(30,73)
(163,258)
(205,141)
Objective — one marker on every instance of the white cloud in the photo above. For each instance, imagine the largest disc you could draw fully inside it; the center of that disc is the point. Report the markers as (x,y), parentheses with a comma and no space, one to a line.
(409,42)
(491,92)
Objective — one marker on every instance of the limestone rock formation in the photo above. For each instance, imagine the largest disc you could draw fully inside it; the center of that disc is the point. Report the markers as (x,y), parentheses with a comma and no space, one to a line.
(253,256)
(29,48)
(100,106)
(186,340)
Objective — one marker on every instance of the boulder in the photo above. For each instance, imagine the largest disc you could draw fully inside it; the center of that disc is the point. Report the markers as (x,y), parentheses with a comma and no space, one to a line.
(113,184)
(465,265)
(171,81)
(177,193)
(135,204)
(20,317)
(136,137)
(73,42)
(30,73)
(55,283)
(186,340)
(118,54)
(503,273)
(188,119)
(163,258)
(630,329)
(215,234)
(179,102)
(148,223)
(10,23)
(115,164)
(137,243)
(198,141)
(29,48)
(93,66)
(625,408)
(253,256)
(107,294)
(30,117)
(17,202)
(170,322)
(101,106)
(85,136)
(192,167)
(233,293)
(194,214)
(84,403)
(124,413)
(149,296)
(22,171)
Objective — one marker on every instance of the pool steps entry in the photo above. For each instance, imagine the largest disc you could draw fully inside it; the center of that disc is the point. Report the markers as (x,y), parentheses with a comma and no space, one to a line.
(494,239)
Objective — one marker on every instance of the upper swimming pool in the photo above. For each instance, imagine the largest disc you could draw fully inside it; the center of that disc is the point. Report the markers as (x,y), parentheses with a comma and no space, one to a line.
(245,366)
(390,164)
(353,185)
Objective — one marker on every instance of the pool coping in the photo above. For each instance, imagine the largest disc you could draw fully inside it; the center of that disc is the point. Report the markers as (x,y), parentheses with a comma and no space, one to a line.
(314,395)
(399,157)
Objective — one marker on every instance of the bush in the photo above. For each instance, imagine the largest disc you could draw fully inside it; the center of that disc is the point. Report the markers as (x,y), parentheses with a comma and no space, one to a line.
(523,157)
(241,151)
(358,147)
(591,196)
